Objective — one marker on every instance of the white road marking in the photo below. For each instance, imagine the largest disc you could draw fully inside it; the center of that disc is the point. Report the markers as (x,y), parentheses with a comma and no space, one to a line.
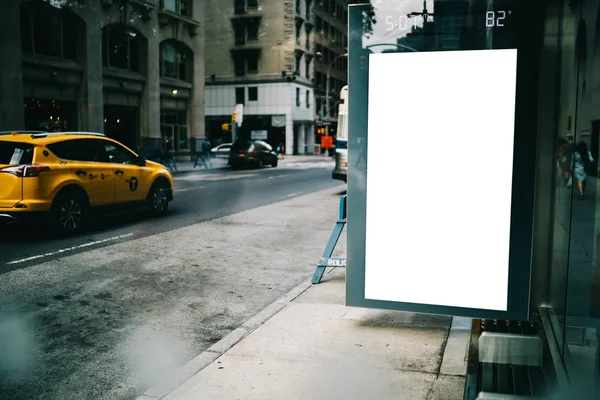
(276,176)
(188,189)
(214,177)
(293,194)
(81,246)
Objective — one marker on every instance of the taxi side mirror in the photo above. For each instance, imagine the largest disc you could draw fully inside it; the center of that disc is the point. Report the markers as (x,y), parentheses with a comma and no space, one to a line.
(141,161)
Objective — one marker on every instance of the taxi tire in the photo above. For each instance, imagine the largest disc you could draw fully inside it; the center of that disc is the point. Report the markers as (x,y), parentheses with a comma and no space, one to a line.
(159,189)
(274,164)
(71,205)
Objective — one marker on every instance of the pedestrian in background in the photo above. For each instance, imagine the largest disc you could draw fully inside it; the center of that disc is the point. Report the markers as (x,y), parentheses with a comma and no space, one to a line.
(280,151)
(580,159)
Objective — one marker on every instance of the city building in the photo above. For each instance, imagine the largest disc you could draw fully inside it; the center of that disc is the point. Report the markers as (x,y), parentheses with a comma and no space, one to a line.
(132,69)
(259,53)
(331,47)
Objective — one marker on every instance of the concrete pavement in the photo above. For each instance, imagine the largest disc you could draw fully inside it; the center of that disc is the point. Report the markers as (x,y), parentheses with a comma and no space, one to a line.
(313,347)
(107,323)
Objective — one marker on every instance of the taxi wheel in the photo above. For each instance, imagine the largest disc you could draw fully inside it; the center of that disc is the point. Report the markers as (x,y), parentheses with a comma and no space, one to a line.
(68,212)
(158,198)
(274,164)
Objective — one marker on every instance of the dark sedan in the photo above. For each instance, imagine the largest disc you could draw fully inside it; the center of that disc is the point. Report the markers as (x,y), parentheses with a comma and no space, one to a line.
(252,153)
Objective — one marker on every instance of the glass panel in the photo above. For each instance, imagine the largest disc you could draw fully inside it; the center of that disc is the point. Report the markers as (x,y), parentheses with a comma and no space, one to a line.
(182,137)
(26,38)
(169,117)
(171,5)
(239,65)
(253,30)
(253,93)
(70,37)
(183,8)
(252,3)
(252,62)
(15,153)
(47,31)
(117,48)
(117,154)
(239,6)
(182,117)
(169,54)
(240,34)
(183,66)
(582,329)
(134,54)
(239,95)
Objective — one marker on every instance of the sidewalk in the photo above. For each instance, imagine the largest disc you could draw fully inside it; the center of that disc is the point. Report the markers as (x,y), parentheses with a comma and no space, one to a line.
(221,162)
(308,345)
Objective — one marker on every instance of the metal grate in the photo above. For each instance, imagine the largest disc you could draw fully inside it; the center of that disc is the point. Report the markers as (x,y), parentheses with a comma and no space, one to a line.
(502,379)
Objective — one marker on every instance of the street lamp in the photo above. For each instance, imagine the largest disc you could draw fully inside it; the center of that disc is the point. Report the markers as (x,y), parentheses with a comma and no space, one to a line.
(327,86)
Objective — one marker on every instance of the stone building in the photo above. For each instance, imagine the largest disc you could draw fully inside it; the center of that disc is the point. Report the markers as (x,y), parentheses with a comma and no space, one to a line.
(132,69)
(331,44)
(260,53)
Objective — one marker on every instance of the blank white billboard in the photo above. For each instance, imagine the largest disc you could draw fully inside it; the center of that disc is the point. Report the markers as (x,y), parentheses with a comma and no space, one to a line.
(439,177)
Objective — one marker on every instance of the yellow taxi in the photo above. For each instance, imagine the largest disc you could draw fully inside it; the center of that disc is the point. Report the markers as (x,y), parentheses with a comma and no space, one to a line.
(63,175)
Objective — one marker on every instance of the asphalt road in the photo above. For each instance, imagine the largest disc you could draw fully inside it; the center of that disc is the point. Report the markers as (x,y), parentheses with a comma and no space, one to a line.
(199,197)
(109,313)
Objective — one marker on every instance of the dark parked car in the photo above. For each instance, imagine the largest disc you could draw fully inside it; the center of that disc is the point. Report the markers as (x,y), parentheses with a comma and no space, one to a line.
(248,153)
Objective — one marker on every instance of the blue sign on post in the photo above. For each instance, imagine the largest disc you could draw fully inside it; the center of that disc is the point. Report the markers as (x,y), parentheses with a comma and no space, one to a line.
(442,150)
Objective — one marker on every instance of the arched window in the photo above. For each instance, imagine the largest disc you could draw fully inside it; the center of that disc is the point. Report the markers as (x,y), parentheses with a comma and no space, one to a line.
(121,47)
(176,61)
(49,31)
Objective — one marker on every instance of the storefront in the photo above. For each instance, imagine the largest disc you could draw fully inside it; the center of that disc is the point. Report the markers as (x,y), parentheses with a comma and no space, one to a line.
(50,115)
(122,123)
(569,119)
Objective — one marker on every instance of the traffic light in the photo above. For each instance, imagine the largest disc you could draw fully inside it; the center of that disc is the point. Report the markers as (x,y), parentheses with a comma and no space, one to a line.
(233,117)
(226,127)
(321,131)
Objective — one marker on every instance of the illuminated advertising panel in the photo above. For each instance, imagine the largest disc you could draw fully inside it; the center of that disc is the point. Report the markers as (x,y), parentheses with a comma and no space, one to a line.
(441,156)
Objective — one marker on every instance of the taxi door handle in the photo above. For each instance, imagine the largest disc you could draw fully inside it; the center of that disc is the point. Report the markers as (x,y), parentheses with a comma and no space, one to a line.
(80,172)
(119,172)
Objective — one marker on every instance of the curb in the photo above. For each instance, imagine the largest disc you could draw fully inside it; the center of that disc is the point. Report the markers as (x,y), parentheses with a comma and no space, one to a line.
(215,351)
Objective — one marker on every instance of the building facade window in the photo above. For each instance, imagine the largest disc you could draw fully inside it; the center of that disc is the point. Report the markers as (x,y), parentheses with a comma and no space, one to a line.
(174,129)
(252,30)
(253,93)
(48,31)
(180,7)
(240,34)
(308,99)
(297,97)
(252,62)
(245,62)
(307,69)
(252,3)
(240,95)
(239,7)
(121,48)
(176,61)
(239,64)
